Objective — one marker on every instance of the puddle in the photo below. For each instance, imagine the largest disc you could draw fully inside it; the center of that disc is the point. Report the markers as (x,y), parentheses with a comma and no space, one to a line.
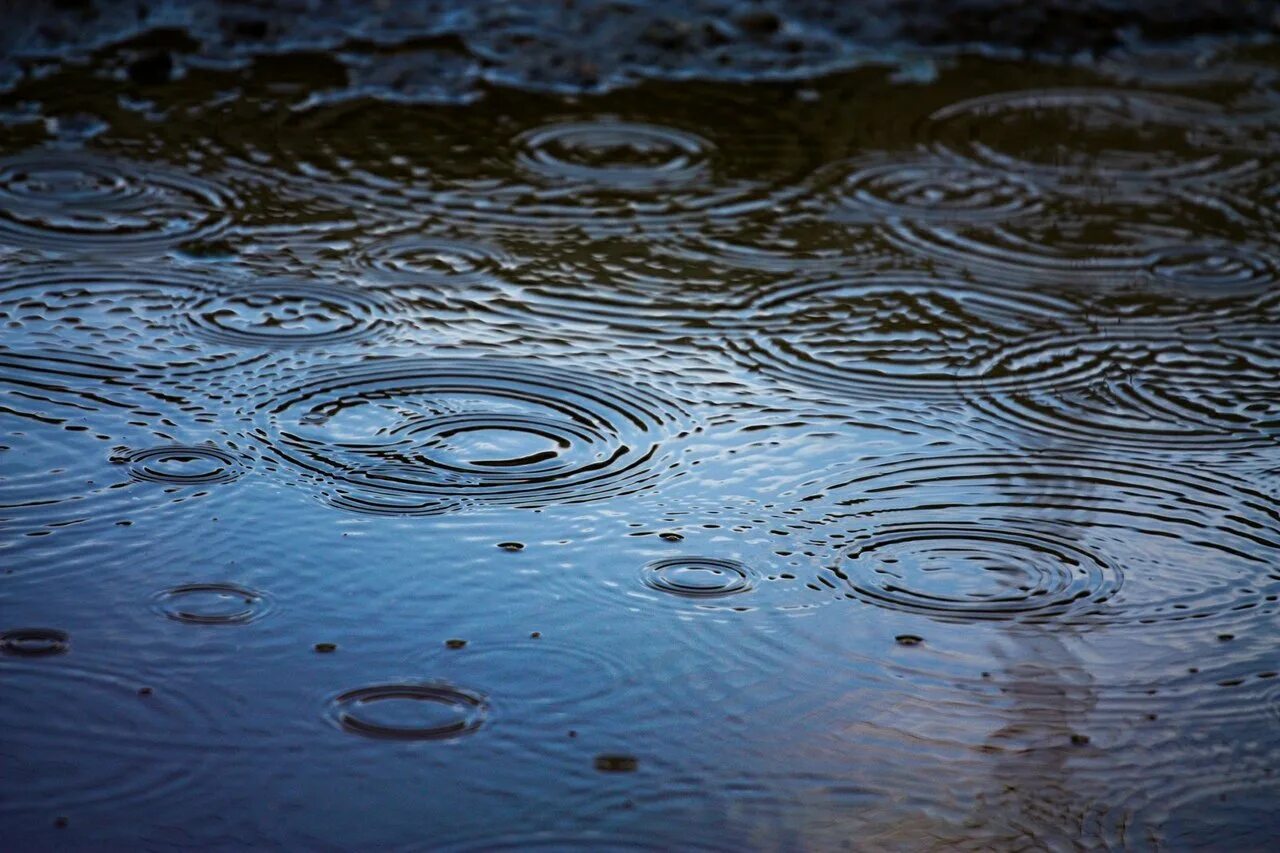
(856,448)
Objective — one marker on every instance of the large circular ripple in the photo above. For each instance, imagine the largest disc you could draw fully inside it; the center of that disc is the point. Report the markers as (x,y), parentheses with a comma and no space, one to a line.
(1194,390)
(1050,535)
(80,202)
(274,313)
(871,189)
(975,571)
(423,436)
(1092,135)
(1177,245)
(609,176)
(898,335)
(128,317)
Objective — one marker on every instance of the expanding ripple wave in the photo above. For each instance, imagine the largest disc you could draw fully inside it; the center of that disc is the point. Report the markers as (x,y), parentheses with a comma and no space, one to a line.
(421,436)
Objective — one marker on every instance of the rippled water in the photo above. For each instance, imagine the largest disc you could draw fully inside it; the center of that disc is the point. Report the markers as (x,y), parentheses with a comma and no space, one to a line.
(845,463)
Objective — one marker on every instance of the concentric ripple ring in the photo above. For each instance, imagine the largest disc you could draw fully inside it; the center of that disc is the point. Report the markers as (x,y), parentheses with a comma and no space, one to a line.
(183,465)
(612,153)
(698,577)
(449,712)
(1102,135)
(286,313)
(971,571)
(34,642)
(868,190)
(425,435)
(85,202)
(211,604)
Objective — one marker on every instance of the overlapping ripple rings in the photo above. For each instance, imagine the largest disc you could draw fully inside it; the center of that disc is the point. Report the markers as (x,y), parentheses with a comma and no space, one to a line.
(1158,239)
(1081,539)
(898,335)
(974,571)
(1193,390)
(273,313)
(610,176)
(1091,135)
(131,318)
(412,435)
(934,189)
(79,202)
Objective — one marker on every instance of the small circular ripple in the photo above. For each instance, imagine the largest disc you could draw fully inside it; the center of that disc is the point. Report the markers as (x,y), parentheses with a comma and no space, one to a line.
(1100,135)
(897,335)
(1214,270)
(409,711)
(211,604)
(428,260)
(868,190)
(34,642)
(613,153)
(81,202)
(1189,548)
(1199,390)
(182,465)
(286,314)
(699,577)
(416,437)
(972,571)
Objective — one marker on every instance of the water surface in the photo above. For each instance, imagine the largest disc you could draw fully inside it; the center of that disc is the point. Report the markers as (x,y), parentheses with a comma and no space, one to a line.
(862,462)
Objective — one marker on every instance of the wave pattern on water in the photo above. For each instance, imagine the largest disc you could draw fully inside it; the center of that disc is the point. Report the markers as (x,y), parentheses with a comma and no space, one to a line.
(409,436)
(1093,541)
(985,435)
(85,204)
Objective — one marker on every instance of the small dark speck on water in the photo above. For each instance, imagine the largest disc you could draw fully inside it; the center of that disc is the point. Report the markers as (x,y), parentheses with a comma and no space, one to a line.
(1226,637)
(671,537)
(61,821)
(152,69)
(455,644)
(535,635)
(1079,740)
(144,691)
(908,640)
(616,763)
(511,546)
(325,648)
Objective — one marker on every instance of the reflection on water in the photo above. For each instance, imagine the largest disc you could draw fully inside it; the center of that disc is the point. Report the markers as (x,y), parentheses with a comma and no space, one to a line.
(854,463)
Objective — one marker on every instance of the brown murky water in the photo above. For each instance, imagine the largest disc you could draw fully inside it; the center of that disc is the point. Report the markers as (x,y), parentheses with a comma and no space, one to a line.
(860,462)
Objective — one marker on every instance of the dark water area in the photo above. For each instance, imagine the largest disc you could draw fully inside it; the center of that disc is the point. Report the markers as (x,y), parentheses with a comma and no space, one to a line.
(885,458)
